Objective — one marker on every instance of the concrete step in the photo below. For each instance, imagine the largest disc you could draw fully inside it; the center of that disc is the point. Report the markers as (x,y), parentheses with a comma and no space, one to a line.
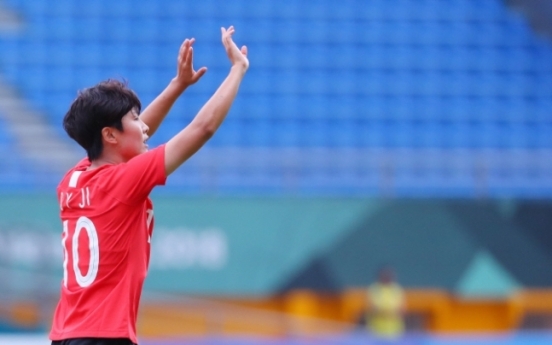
(35,137)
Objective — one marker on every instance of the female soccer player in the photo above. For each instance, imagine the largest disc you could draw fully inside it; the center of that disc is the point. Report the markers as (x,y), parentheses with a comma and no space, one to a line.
(106,212)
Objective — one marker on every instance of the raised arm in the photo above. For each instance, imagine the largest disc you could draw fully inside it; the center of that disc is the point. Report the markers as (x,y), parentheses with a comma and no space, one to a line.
(156,111)
(183,145)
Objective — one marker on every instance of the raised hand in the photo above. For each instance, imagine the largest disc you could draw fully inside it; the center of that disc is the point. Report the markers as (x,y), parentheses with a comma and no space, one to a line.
(211,115)
(185,73)
(238,57)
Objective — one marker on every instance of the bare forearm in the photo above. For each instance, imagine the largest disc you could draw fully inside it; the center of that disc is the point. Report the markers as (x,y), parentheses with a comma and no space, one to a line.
(215,110)
(158,109)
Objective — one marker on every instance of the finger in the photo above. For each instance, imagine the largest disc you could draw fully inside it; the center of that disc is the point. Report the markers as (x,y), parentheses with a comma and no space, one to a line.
(184,52)
(244,50)
(183,47)
(180,52)
(227,40)
(223,35)
(188,45)
(199,74)
(190,57)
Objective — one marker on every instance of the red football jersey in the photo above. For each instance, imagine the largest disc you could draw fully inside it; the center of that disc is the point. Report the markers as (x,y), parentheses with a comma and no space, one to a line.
(107,221)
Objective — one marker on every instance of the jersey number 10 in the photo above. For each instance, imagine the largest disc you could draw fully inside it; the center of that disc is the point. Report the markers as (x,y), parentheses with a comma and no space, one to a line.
(86,224)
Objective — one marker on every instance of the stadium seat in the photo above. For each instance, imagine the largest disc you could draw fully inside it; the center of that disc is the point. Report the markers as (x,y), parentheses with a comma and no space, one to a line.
(459,74)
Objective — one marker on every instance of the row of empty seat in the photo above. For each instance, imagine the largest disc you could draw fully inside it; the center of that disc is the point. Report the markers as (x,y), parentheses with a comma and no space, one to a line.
(16,172)
(397,61)
(420,74)
(485,34)
(487,10)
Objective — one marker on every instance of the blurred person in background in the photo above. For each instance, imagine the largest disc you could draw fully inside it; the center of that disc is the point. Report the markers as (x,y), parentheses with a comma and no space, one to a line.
(385,305)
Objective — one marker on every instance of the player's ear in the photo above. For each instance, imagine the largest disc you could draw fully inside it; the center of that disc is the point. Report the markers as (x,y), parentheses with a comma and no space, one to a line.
(108,135)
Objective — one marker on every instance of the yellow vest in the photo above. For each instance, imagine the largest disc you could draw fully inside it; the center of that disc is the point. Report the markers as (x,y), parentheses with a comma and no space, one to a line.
(385,317)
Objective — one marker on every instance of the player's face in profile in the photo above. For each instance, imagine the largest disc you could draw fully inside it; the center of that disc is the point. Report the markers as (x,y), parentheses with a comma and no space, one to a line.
(132,140)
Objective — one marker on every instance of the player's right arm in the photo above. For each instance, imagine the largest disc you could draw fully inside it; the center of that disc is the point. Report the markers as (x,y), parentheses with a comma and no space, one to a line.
(183,145)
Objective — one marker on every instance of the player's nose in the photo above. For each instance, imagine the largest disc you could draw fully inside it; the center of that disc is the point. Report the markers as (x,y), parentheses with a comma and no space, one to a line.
(145,127)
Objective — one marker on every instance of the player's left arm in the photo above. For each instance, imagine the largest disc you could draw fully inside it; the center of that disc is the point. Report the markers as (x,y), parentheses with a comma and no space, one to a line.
(156,111)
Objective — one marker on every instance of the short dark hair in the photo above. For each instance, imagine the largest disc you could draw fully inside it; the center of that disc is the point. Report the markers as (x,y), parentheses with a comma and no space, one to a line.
(102,105)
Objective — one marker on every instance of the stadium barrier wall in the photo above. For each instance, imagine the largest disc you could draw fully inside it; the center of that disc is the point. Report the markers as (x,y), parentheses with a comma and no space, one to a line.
(307,252)
(309,313)
(305,312)
(264,246)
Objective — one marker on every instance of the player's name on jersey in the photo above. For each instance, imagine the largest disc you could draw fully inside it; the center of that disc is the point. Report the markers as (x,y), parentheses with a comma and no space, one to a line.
(77,198)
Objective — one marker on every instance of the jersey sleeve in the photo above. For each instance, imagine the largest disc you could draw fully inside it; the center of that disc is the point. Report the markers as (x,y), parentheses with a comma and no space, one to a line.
(133,181)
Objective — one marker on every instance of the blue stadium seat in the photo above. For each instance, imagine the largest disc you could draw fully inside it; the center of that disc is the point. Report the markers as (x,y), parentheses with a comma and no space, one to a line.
(458,74)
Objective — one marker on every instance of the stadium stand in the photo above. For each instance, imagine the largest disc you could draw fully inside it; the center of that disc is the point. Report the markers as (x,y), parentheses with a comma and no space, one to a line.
(348,97)
(14,170)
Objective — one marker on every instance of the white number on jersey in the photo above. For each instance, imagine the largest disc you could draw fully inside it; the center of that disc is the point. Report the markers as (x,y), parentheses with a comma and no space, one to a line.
(86,224)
